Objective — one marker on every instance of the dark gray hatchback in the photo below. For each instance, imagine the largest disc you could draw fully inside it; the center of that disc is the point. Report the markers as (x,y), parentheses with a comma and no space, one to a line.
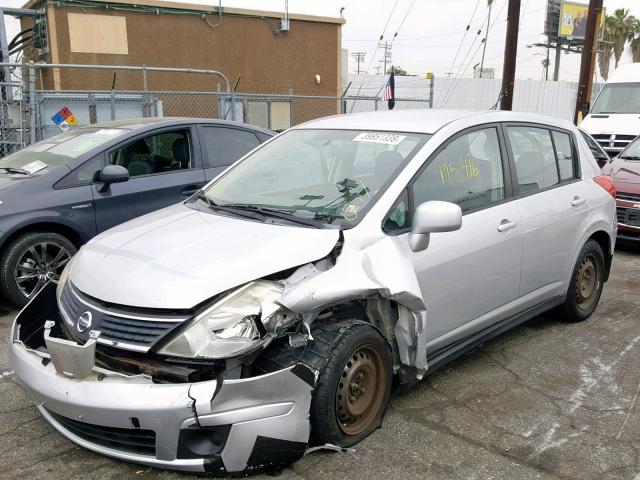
(58,193)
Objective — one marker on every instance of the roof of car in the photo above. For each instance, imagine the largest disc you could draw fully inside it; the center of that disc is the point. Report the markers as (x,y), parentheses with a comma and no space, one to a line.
(424,120)
(140,123)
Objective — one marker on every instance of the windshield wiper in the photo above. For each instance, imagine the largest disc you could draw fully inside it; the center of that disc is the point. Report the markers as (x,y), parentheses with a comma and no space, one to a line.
(200,195)
(15,170)
(630,157)
(276,213)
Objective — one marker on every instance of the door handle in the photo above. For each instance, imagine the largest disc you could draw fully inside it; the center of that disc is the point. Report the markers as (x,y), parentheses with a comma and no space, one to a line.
(577,201)
(190,190)
(507,225)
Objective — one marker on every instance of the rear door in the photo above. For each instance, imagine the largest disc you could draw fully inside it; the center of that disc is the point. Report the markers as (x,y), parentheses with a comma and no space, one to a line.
(553,203)
(164,169)
(223,145)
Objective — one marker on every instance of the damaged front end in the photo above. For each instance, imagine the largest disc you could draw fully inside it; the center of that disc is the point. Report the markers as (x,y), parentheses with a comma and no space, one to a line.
(199,416)
(202,390)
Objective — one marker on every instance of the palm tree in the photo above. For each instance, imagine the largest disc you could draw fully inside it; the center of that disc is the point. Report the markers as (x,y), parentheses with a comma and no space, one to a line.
(634,42)
(606,48)
(619,29)
(623,26)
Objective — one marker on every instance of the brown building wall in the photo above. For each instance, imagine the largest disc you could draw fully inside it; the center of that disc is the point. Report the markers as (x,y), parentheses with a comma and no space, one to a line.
(241,46)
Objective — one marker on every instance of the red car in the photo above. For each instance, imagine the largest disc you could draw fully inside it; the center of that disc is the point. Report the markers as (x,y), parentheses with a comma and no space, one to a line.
(625,172)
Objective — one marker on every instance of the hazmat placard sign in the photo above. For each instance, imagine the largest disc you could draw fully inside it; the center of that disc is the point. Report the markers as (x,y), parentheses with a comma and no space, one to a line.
(64,119)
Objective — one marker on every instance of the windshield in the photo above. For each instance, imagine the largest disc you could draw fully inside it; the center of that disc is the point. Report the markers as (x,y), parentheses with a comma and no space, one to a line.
(632,152)
(57,151)
(328,176)
(618,98)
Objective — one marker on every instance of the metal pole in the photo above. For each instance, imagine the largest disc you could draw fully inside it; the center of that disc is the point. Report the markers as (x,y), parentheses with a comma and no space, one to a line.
(556,66)
(126,68)
(4,57)
(32,103)
(431,86)
(145,88)
(546,66)
(510,53)
(587,61)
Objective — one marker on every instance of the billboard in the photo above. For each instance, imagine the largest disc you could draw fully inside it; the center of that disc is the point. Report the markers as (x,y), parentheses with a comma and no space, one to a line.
(573,20)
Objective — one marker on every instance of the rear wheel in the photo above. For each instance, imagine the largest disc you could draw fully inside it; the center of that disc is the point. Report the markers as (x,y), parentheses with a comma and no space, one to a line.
(30,261)
(586,283)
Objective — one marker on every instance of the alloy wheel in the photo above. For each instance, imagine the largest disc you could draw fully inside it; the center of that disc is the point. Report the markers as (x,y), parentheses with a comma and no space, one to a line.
(38,264)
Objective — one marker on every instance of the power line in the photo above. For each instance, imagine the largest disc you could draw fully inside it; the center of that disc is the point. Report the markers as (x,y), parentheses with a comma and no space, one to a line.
(403,20)
(461,43)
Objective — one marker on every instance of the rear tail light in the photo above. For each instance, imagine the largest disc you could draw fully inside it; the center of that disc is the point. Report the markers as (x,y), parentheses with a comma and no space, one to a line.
(606,182)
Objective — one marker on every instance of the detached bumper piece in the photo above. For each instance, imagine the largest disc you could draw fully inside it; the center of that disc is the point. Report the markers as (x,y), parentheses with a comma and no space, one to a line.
(215,426)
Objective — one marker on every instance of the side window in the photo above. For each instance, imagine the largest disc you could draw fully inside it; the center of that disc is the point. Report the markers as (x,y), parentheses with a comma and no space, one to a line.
(226,145)
(564,151)
(84,174)
(159,153)
(467,172)
(534,157)
(398,217)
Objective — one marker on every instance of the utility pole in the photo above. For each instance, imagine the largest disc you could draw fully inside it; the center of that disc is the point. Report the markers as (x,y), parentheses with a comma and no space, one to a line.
(386,58)
(359,58)
(486,37)
(556,66)
(588,60)
(510,53)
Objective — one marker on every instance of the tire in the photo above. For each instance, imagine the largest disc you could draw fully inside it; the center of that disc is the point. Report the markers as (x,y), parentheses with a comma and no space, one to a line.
(27,264)
(585,287)
(359,354)
(334,343)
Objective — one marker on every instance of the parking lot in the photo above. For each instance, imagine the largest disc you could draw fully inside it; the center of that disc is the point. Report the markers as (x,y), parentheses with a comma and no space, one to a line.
(546,400)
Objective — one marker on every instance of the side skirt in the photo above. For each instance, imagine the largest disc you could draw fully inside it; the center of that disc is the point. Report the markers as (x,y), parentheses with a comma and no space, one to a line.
(442,357)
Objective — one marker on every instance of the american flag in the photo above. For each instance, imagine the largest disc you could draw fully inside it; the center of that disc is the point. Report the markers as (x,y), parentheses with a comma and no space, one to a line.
(390,91)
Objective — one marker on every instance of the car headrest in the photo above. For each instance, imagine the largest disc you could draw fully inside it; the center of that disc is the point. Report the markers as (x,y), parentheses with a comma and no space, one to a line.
(180,149)
(139,147)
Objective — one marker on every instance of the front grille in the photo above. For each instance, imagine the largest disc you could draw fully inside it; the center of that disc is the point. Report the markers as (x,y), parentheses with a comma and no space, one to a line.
(628,216)
(620,142)
(630,197)
(116,329)
(620,213)
(142,442)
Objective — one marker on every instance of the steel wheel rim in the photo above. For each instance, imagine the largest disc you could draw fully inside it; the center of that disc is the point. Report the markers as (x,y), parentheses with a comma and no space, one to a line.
(38,264)
(587,282)
(360,391)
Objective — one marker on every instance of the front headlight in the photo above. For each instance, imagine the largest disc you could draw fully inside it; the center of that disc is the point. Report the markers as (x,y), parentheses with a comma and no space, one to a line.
(228,327)
(63,279)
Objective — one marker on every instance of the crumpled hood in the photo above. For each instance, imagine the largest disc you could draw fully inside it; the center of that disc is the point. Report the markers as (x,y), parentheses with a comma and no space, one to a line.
(624,171)
(178,257)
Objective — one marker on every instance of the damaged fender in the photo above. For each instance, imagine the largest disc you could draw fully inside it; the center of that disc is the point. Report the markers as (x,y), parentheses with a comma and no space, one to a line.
(382,268)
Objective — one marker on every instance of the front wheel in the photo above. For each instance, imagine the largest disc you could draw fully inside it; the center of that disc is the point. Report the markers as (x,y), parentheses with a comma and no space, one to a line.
(353,389)
(586,283)
(30,261)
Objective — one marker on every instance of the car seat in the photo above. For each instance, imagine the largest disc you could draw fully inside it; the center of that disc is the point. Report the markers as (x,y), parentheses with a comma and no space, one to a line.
(180,149)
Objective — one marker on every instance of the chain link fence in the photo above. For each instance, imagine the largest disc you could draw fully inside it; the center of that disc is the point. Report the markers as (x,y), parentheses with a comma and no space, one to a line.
(30,113)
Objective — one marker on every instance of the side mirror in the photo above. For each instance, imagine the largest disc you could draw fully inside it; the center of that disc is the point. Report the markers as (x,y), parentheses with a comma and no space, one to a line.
(431,217)
(113,174)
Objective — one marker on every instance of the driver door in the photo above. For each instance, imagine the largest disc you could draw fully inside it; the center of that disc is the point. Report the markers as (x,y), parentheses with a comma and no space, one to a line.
(468,277)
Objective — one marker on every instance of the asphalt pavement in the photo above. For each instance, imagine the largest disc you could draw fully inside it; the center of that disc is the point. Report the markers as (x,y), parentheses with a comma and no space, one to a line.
(547,400)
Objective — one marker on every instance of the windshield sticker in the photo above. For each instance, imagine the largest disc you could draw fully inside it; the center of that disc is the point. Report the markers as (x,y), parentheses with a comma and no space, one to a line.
(34,167)
(109,131)
(351,209)
(377,137)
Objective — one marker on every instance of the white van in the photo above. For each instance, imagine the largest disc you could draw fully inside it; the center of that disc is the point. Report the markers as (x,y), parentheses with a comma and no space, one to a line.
(614,119)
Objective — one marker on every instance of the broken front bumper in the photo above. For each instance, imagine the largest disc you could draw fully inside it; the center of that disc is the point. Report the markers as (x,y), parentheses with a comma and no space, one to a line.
(216,427)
